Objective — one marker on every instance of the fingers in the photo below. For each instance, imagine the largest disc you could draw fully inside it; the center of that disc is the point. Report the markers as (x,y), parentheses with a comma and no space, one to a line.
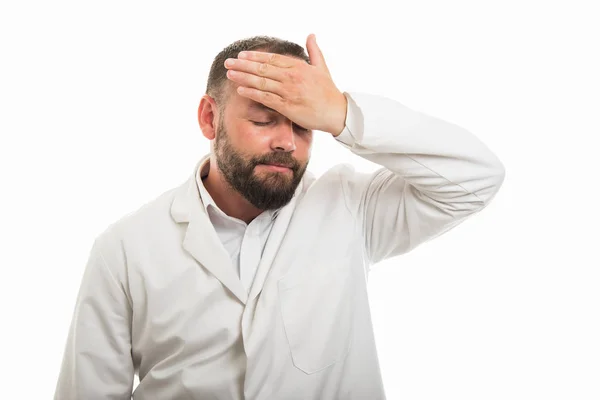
(274,59)
(265,77)
(253,81)
(314,53)
(257,68)
(270,100)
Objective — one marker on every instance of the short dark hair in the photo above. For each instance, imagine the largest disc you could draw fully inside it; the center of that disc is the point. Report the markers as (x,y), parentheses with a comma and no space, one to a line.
(216,86)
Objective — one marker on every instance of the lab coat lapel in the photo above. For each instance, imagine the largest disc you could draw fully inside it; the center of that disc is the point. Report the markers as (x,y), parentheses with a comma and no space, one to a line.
(201,239)
(274,240)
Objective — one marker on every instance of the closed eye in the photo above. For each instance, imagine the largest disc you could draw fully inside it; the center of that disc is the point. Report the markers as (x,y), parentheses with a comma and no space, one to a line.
(301,128)
(258,123)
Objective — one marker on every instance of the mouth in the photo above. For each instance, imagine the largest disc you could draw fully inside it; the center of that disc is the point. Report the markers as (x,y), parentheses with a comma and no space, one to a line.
(280,165)
(277,167)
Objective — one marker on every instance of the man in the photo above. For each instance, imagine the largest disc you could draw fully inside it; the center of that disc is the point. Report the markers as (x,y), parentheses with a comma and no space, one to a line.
(249,281)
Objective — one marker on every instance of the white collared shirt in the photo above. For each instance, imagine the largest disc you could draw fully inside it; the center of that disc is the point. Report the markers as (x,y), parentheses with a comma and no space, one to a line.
(244,243)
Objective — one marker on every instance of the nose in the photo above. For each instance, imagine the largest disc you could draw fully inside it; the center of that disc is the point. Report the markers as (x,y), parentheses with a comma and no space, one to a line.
(283,137)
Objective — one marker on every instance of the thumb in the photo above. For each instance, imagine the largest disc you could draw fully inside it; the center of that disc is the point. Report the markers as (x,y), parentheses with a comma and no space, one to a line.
(314,52)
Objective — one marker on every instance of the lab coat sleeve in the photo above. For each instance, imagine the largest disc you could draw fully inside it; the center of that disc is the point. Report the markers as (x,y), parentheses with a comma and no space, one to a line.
(97,362)
(433,175)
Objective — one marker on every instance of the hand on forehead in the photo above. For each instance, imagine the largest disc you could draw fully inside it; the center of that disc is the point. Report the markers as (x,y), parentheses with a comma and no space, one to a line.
(304,93)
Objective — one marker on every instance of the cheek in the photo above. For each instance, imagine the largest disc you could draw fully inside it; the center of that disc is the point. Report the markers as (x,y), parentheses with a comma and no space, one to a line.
(246,139)
(250,135)
(304,147)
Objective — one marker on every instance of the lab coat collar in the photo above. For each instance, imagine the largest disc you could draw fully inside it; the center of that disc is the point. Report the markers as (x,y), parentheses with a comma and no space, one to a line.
(205,246)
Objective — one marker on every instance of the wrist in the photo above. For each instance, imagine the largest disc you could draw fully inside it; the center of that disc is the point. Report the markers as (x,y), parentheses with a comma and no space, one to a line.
(339,115)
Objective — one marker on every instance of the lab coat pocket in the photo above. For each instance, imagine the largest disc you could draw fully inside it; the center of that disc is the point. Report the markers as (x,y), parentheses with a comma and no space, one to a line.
(317,309)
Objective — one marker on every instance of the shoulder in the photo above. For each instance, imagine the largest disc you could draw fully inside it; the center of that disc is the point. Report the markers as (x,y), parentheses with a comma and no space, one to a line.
(152,216)
(343,177)
(332,185)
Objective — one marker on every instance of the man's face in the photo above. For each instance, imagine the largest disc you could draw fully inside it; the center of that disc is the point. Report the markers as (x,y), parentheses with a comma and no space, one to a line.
(250,138)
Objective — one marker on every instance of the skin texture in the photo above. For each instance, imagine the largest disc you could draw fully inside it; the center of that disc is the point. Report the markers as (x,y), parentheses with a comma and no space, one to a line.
(274,104)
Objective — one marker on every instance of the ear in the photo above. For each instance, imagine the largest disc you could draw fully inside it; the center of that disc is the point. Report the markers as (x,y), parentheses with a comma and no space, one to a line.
(208,116)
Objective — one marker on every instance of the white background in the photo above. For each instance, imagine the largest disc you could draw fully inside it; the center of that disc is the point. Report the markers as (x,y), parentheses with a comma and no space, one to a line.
(98,116)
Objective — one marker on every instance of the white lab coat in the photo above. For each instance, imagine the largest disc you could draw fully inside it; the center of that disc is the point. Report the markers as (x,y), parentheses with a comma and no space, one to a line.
(160,297)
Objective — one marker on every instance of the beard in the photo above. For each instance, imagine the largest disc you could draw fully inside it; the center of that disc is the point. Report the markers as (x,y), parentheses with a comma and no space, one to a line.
(270,191)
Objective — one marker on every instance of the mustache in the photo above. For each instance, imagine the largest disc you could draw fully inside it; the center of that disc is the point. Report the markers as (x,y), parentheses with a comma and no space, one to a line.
(285,159)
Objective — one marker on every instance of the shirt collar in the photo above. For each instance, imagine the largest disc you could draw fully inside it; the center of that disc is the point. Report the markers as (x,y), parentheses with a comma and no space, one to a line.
(207,199)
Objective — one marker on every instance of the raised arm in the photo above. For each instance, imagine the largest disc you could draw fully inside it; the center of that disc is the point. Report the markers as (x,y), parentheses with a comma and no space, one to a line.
(433,175)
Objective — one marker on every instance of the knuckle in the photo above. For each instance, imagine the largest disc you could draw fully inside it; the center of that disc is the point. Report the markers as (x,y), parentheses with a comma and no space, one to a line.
(297,89)
(273,58)
(291,76)
(262,68)
(292,91)
(265,96)
(262,83)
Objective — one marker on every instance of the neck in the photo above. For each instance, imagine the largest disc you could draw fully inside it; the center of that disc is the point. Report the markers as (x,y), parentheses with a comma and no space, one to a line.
(228,200)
